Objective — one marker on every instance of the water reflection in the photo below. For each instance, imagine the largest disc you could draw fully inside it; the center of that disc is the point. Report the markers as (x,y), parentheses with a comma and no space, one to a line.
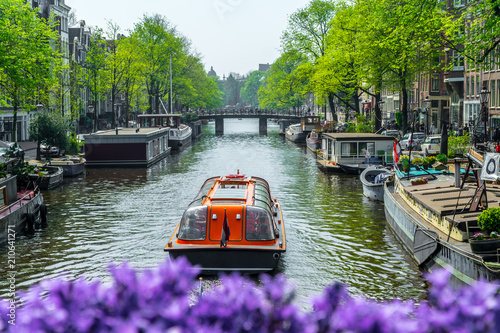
(112,215)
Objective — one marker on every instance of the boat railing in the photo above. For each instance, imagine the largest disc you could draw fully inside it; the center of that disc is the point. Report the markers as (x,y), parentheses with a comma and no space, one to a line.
(22,201)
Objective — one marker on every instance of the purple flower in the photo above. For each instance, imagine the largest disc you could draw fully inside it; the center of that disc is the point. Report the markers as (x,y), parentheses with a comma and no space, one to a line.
(161,300)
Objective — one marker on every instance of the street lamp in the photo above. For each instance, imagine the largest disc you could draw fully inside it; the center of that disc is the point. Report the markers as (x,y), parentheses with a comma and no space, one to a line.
(381,107)
(484,98)
(427,105)
(91,108)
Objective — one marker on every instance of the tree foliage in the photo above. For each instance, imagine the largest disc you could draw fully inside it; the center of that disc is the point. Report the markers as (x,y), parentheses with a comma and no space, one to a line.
(28,64)
(49,128)
(249,92)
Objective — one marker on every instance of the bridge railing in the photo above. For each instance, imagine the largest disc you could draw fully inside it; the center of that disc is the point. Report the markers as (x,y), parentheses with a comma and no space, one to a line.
(247,112)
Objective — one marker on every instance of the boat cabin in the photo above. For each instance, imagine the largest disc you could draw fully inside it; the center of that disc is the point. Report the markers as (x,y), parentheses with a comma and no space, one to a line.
(310,123)
(245,203)
(355,148)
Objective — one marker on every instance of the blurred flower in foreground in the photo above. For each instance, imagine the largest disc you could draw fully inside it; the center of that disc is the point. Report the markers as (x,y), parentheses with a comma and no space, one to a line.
(161,300)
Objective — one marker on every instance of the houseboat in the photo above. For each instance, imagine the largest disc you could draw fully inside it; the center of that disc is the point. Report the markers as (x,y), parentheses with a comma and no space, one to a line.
(21,208)
(180,134)
(298,132)
(434,214)
(233,224)
(354,149)
(126,147)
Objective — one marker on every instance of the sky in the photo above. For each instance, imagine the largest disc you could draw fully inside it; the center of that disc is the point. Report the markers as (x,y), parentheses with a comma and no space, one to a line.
(231,35)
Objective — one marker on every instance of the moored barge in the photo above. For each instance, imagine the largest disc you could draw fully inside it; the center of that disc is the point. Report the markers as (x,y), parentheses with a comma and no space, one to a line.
(233,224)
(434,221)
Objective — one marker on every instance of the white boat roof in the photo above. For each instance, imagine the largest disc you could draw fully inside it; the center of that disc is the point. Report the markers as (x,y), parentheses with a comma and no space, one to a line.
(357,136)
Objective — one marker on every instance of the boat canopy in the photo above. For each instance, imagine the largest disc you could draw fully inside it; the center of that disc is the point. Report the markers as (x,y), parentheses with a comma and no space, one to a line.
(234,196)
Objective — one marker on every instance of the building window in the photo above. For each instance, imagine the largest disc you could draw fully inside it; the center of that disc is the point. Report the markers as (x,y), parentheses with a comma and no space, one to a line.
(435,82)
(458,61)
(472,85)
(478,85)
(467,87)
(458,3)
(493,95)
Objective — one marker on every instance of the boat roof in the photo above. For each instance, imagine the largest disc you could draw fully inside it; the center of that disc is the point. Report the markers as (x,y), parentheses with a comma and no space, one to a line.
(357,136)
(233,190)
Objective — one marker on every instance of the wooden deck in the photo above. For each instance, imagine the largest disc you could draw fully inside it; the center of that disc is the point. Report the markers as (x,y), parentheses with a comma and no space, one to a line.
(444,199)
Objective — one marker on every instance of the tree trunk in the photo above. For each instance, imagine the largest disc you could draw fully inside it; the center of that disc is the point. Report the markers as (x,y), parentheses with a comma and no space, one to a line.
(332,107)
(38,156)
(404,95)
(14,122)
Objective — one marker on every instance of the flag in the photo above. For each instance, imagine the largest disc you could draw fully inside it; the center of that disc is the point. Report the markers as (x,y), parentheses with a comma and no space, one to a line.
(395,152)
(225,232)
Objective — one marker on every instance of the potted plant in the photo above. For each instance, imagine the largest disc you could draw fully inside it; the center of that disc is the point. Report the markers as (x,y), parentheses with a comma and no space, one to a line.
(417,161)
(426,162)
(419,181)
(432,159)
(406,163)
(487,241)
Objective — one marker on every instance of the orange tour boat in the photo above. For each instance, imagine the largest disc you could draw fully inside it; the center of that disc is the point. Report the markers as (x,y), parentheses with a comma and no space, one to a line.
(233,224)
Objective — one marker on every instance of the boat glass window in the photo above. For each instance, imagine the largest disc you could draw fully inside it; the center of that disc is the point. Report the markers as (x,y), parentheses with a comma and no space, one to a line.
(369,146)
(258,225)
(349,149)
(203,191)
(194,224)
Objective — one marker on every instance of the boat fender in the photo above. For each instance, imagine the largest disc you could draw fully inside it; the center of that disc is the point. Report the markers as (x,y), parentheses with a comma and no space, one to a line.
(43,215)
(276,256)
(30,222)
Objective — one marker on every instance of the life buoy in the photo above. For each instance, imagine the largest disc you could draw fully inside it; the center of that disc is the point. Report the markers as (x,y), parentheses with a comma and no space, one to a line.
(43,215)
(30,222)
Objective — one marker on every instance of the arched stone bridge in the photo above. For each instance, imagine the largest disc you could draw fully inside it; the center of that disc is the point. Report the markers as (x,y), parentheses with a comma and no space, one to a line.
(262,115)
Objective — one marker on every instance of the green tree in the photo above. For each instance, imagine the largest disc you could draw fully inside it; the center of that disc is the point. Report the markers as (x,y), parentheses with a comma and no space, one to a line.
(132,80)
(95,75)
(158,41)
(115,65)
(285,84)
(474,31)
(306,34)
(28,63)
(49,128)
(249,93)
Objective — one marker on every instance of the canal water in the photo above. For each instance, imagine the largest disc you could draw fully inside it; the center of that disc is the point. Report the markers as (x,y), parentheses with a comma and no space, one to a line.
(113,215)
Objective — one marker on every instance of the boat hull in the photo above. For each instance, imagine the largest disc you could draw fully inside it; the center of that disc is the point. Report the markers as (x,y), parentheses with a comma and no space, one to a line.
(73,170)
(432,252)
(313,145)
(371,190)
(17,216)
(296,137)
(181,139)
(52,179)
(216,260)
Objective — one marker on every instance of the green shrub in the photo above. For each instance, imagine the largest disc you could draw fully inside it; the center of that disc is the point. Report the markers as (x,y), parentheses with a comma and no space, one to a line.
(458,145)
(489,219)
(442,158)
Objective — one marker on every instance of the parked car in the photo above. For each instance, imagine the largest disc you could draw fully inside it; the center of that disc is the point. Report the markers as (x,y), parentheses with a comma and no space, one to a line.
(432,145)
(10,146)
(394,133)
(50,151)
(415,141)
